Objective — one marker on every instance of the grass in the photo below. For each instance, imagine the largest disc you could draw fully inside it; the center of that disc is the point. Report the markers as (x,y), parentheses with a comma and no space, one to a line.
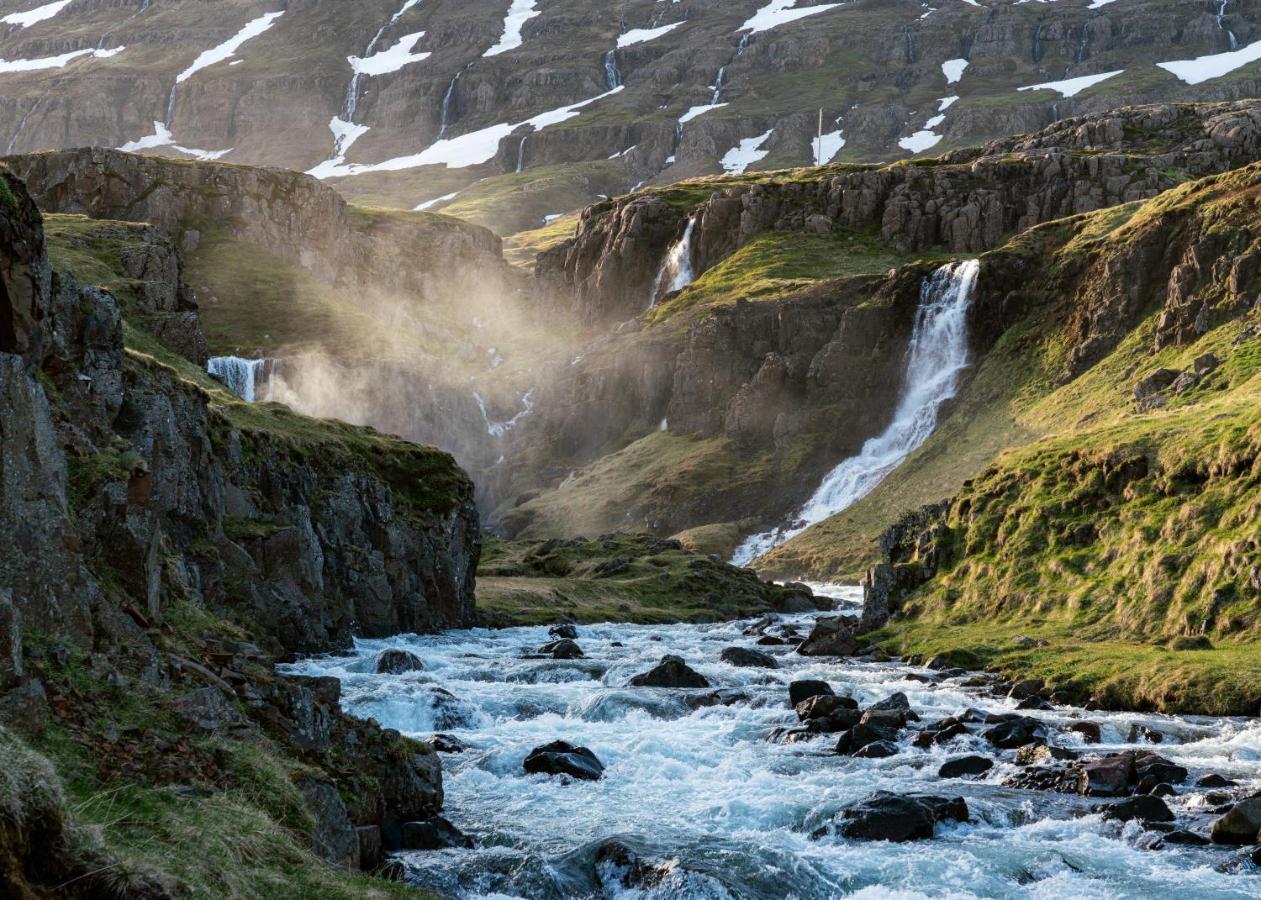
(521,249)
(515,202)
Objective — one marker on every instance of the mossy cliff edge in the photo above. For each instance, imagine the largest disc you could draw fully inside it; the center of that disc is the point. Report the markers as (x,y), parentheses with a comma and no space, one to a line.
(162,546)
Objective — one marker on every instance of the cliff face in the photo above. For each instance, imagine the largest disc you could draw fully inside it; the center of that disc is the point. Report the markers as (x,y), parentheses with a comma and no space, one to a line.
(176,543)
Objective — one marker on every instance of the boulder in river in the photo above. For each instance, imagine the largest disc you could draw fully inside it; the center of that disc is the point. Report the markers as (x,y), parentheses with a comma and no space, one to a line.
(396,662)
(1144,808)
(671,672)
(565,630)
(562,649)
(863,734)
(436,833)
(807,688)
(1215,781)
(831,636)
(1016,732)
(883,816)
(447,743)
(1089,731)
(965,765)
(1241,825)
(821,706)
(563,758)
(876,750)
(742,656)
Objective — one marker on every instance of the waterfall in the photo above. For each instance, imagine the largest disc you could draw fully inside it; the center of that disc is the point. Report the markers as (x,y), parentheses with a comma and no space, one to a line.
(717,94)
(612,75)
(243,376)
(676,269)
(1221,25)
(446,103)
(937,358)
(744,42)
(521,154)
(499,429)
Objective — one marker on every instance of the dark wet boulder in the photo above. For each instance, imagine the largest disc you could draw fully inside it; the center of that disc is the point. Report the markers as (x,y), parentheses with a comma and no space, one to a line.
(1016,732)
(562,649)
(759,626)
(940,733)
(1108,776)
(1214,780)
(671,672)
(822,706)
(861,735)
(720,697)
(840,719)
(805,689)
(1035,703)
(396,662)
(744,657)
(1240,825)
(876,750)
(447,743)
(1163,789)
(1149,769)
(1023,690)
(831,636)
(562,758)
(436,833)
(1182,836)
(898,701)
(1145,734)
(883,816)
(1145,808)
(965,765)
(1089,731)
(564,631)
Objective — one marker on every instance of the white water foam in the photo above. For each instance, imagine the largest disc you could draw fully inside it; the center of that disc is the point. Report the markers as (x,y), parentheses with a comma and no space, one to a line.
(938,357)
(676,269)
(241,376)
(702,790)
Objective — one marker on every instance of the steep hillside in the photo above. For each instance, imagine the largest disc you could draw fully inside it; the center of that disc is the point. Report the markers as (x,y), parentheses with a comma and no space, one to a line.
(163,546)
(401,102)
(715,412)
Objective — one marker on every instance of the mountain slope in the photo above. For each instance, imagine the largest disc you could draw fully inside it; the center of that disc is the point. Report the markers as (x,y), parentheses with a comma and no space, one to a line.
(402,101)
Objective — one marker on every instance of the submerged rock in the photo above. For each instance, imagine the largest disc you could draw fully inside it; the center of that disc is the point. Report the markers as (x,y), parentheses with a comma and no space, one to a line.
(883,816)
(671,672)
(562,649)
(1145,808)
(562,758)
(436,833)
(564,630)
(396,662)
(742,656)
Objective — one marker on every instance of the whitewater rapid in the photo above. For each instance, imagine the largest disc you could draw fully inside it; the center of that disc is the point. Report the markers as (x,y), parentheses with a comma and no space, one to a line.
(936,360)
(705,792)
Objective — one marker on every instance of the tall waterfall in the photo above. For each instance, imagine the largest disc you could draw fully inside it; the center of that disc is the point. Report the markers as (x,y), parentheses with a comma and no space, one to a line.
(676,269)
(243,377)
(938,356)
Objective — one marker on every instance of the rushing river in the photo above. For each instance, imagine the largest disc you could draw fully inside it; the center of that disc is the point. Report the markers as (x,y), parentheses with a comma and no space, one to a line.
(729,812)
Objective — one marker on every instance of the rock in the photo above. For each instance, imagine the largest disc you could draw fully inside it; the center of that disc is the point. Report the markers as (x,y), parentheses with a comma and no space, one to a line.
(371,853)
(1145,734)
(821,706)
(436,833)
(804,690)
(897,701)
(817,224)
(1152,768)
(861,735)
(1214,780)
(1145,808)
(965,765)
(1111,776)
(561,758)
(334,838)
(446,743)
(671,672)
(740,656)
(1184,837)
(1241,825)
(1016,732)
(883,816)
(1023,690)
(565,631)
(876,750)
(1089,731)
(396,662)
(1164,789)
(10,642)
(206,709)
(1041,754)
(1152,386)
(1205,364)
(1034,703)
(562,649)
(831,636)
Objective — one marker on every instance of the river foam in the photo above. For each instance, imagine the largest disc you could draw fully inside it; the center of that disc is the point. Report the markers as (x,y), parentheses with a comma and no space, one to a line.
(729,813)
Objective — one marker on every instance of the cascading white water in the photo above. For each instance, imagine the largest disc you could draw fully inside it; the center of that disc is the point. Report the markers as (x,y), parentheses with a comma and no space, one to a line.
(1221,25)
(676,269)
(716,96)
(499,429)
(242,376)
(938,356)
(696,786)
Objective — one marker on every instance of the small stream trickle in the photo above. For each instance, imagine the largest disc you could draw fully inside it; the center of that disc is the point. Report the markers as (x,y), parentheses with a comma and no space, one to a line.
(701,790)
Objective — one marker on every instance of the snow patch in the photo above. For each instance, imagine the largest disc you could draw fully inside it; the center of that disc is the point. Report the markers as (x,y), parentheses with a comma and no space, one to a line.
(38,14)
(696,111)
(953,70)
(642,35)
(781,12)
(228,48)
(520,12)
(1215,65)
(392,59)
(745,154)
(54,62)
(1071,87)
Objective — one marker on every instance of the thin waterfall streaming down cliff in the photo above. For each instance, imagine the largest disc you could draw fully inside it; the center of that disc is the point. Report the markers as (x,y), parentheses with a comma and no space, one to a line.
(676,269)
(937,358)
(242,376)
(612,75)
(499,429)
